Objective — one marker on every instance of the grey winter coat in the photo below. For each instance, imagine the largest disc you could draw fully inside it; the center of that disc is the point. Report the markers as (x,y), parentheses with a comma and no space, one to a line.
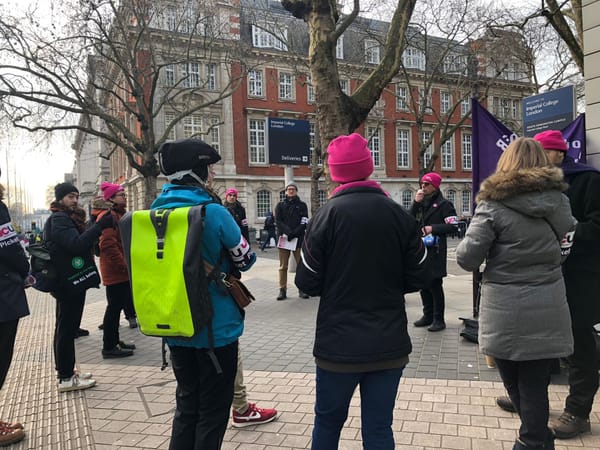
(524,314)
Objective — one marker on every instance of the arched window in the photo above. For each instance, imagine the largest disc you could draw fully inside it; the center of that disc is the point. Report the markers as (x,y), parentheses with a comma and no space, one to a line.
(263,203)
(451,196)
(281,195)
(322,197)
(407,198)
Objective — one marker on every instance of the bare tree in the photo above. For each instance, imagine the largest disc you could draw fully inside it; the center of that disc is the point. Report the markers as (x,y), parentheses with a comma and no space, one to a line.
(337,112)
(127,72)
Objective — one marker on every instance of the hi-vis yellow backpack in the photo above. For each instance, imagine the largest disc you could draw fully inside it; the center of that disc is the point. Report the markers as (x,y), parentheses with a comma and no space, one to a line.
(166,269)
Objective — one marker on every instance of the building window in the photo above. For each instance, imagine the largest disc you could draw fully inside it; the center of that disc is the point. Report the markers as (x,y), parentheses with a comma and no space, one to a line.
(445,101)
(269,38)
(256,134)
(401,98)
(424,100)
(466,150)
(413,58)
(281,195)
(428,141)
(192,125)
(211,77)
(310,90)
(374,135)
(170,75)
(406,199)
(171,18)
(466,203)
(345,86)
(313,142)
(322,197)
(451,196)
(339,48)
(516,109)
(169,118)
(255,83)
(465,106)
(263,203)
(286,86)
(212,132)
(447,153)
(403,149)
(191,75)
(372,51)
(454,63)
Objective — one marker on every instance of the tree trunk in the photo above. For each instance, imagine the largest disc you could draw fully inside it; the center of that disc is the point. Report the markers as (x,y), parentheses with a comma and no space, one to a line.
(148,190)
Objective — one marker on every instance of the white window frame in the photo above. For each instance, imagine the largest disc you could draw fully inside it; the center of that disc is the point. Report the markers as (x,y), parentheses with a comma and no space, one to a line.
(465,106)
(257,149)
(211,76)
(372,51)
(286,86)
(406,198)
(322,196)
(266,37)
(169,118)
(170,75)
(375,144)
(402,97)
(451,196)
(445,101)
(310,90)
(171,18)
(256,83)
(345,86)
(426,136)
(455,63)
(467,151)
(192,126)
(212,130)
(465,197)
(191,75)
(403,148)
(413,58)
(263,203)
(425,100)
(447,154)
(339,48)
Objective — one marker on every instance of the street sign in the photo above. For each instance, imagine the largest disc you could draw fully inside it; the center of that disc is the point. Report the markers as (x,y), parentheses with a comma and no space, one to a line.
(289,141)
(552,110)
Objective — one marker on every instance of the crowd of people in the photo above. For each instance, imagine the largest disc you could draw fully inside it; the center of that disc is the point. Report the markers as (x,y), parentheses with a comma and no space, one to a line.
(535,230)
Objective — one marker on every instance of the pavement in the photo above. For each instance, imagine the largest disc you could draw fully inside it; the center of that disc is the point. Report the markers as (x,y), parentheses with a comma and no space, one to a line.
(446,398)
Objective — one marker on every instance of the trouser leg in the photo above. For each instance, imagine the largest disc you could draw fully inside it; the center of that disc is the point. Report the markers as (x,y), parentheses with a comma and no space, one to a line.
(583,373)
(333,394)
(527,385)
(203,397)
(378,392)
(438,299)
(115,294)
(240,400)
(128,308)
(8,332)
(427,301)
(69,308)
(284,257)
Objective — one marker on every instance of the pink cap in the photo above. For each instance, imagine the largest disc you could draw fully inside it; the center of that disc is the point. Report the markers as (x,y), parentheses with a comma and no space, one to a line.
(552,140)
(232,191)
(349,158)
(432,178)
(110,189)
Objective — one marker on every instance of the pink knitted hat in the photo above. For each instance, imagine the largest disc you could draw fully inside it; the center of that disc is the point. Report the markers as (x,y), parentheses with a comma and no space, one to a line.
(231,191)
(349,158)
(432,178)
(552,140)
(110,189)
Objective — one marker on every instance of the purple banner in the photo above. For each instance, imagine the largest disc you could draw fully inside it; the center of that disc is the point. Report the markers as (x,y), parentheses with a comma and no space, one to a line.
(490,138)
(574,134)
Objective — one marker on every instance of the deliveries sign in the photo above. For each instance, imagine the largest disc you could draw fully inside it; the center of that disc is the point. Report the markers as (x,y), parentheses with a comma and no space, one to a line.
(289,141)
(552,110)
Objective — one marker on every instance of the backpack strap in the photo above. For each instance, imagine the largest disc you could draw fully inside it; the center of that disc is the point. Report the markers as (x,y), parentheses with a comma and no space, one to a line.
(159,219)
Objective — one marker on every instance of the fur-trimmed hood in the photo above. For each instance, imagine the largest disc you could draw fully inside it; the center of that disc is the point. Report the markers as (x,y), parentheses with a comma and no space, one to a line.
(531,191)
(503,185)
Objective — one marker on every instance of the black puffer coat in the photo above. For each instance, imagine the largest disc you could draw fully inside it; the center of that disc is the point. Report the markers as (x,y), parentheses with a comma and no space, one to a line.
(440,214)
(14,267)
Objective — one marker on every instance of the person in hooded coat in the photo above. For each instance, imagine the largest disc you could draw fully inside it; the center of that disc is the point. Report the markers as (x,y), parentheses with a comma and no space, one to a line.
(521,218)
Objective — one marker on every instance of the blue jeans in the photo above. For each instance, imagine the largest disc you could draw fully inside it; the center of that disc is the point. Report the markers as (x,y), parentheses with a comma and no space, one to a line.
(377,398)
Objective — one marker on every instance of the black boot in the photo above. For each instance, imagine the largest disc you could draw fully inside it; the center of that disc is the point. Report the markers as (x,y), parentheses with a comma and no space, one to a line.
(423,322)
(302,294)
(282,294)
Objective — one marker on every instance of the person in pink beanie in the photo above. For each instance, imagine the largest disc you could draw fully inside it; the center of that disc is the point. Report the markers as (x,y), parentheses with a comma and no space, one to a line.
(437,218)
(361,283)
(115,275)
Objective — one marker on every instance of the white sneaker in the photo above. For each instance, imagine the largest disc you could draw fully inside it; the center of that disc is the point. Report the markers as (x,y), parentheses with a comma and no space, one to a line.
(83,375)
(75,383)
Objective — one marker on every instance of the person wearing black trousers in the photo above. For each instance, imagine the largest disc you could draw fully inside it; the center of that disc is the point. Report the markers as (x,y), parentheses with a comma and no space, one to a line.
(437,218)
(14,269)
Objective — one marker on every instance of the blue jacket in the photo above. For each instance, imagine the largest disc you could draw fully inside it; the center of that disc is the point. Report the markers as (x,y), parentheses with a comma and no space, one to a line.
(220,232)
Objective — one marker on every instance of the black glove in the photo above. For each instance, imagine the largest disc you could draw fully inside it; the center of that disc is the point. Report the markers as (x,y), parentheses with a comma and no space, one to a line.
(291,236)
(106,221)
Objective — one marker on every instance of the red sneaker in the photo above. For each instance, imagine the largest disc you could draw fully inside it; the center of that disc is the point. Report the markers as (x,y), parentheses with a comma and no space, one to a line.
(253,416)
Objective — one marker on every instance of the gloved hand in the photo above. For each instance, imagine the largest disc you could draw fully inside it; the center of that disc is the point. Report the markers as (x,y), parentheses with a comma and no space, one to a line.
(106,221)
(291,236)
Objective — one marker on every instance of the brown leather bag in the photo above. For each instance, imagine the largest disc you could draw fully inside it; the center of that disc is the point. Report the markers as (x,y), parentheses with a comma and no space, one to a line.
(238,291)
